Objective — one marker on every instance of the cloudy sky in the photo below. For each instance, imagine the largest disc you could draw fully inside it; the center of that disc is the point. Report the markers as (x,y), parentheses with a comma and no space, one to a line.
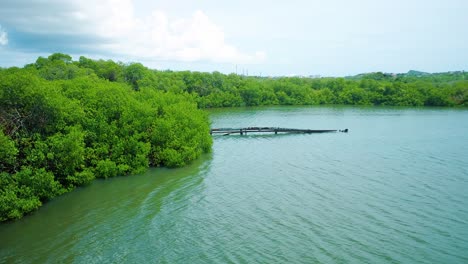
(295,37)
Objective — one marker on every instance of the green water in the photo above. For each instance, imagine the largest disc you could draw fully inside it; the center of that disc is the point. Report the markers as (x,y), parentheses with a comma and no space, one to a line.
(393,190)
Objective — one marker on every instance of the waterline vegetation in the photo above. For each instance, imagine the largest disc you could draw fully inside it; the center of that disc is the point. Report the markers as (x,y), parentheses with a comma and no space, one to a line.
(62,126)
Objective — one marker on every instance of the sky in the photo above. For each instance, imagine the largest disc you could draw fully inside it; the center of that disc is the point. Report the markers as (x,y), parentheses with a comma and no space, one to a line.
(254,37)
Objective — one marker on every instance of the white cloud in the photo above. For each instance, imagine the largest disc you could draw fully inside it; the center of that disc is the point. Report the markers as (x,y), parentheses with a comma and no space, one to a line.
(183,39)
(118,30)
(3,37)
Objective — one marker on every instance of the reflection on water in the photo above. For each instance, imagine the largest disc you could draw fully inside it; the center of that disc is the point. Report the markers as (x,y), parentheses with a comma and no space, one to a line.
(393,190)
(91,223)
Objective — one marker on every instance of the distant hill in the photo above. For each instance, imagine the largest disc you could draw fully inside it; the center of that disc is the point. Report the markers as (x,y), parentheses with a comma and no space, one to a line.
(416,73)
(372,75)
(454,75)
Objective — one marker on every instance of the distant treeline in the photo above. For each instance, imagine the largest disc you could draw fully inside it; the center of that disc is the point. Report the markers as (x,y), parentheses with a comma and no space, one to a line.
(216,90)
(220,90)
(64,122)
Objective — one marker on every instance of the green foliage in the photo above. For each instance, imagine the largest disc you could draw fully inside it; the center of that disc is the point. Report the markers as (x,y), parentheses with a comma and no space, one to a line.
(133,73)
(42,183)
(108,70)
(23,191)
(84,177)
(218,90)
(106,168)
(176,135)
(8,152)
(15,200)
(58,66)
(60,57)
(64,123)
(65,154)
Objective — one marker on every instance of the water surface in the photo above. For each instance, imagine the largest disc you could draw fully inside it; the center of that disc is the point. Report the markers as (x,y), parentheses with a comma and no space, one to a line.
(392,190)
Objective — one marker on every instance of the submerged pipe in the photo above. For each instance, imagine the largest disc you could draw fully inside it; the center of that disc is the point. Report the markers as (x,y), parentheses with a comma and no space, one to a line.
(276,130)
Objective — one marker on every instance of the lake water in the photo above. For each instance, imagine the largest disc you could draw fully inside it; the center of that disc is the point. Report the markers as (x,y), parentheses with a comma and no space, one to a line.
(392,190)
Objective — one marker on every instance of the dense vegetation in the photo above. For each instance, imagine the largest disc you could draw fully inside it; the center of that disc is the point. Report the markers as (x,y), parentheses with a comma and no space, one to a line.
(62,126)
(216,90)
(64,122)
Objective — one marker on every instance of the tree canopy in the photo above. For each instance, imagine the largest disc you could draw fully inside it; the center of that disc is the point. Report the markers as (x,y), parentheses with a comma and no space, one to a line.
(62,125)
